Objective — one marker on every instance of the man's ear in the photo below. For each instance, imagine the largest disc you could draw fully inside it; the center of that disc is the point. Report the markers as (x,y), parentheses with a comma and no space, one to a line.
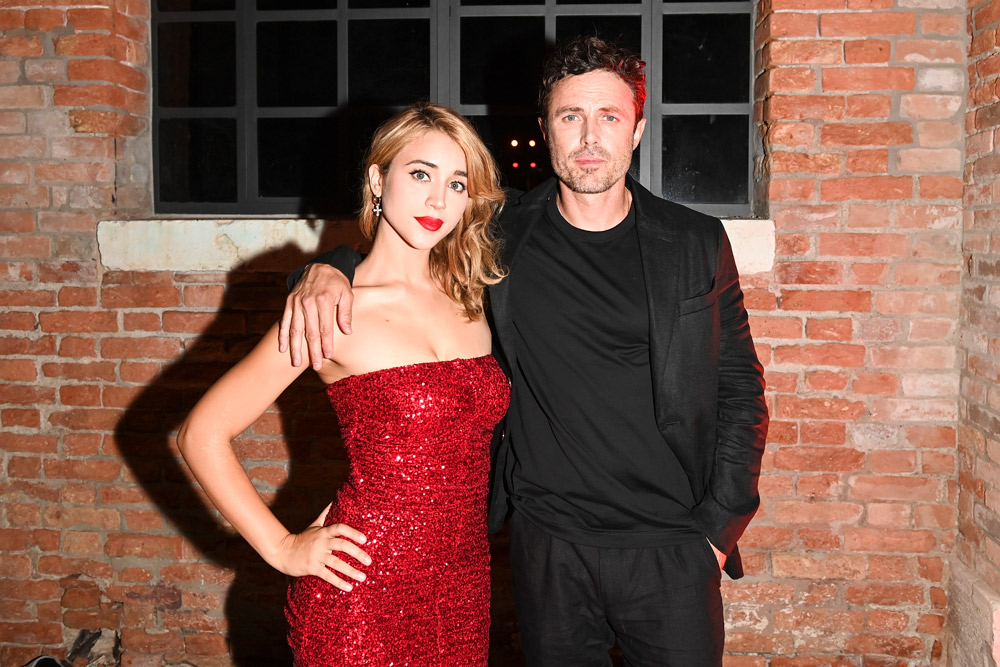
(637,135)
(541,125)
(375,180)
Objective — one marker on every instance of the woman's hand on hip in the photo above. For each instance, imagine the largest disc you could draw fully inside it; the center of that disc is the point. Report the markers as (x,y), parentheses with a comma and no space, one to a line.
(318,551)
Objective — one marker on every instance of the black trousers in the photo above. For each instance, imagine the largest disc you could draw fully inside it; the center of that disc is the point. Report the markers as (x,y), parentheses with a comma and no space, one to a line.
(662,604)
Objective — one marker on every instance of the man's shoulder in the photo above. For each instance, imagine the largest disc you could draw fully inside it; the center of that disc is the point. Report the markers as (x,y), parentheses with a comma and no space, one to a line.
(678,217)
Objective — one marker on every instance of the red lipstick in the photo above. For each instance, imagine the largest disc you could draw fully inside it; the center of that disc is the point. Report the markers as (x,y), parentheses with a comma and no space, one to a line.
(429,223)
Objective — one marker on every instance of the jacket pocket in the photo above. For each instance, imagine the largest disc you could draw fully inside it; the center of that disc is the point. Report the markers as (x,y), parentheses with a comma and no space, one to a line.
(697,303)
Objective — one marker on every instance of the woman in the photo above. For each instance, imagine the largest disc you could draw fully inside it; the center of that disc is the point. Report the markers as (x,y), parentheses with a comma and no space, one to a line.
(397,571)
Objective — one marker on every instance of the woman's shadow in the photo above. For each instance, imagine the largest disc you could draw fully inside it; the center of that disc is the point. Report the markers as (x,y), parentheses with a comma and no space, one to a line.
(293,453)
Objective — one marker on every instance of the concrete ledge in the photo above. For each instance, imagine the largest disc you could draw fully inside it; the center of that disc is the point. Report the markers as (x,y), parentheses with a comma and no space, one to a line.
(221,245)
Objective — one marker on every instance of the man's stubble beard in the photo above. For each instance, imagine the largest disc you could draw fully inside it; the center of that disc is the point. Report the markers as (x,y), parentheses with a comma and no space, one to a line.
(586,181)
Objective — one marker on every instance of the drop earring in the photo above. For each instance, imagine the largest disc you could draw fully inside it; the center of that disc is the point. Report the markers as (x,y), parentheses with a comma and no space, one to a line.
(377,207)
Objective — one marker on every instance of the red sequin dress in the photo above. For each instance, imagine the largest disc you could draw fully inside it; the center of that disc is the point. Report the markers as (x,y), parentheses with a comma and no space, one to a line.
(418,441)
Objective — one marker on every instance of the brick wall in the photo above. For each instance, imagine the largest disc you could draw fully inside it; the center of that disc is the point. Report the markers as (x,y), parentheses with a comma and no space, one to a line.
(862,106)
(976,581)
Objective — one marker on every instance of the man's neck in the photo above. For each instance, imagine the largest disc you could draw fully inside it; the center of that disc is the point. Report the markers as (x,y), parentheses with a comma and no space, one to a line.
(594,212)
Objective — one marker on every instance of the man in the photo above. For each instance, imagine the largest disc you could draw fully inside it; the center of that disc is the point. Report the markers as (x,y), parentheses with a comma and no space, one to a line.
(631,451)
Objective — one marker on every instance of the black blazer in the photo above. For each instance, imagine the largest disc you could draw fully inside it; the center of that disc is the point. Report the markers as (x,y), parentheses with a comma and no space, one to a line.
(707,381)
(708,384)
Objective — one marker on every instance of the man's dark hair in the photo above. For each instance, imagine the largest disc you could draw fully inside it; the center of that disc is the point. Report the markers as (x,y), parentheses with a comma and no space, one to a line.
(590,54)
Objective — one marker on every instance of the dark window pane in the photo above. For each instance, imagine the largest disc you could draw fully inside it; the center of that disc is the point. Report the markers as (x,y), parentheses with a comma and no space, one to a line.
(706,58)
(196,64)
(625,31)
(501,3)
(379,4)
(297,64)
(499,131)
(194,5)
(594,2)
(267,5)
(197,160)
(705,158)
(315,159)
(501,59)
(389,61)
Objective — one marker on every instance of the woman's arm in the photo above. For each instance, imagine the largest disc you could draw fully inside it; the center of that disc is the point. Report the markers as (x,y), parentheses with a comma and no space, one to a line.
(205,440)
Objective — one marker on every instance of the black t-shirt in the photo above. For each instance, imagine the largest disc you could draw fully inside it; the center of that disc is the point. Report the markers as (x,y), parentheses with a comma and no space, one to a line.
(590,464)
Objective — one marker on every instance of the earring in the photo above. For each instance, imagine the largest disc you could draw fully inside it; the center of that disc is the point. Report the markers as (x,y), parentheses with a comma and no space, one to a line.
(377,207)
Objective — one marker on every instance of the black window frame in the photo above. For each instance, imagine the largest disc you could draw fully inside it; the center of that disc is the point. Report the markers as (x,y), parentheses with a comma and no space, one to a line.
(445,18)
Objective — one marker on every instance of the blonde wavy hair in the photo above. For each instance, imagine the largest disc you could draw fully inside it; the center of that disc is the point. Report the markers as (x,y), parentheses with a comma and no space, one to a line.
(467,260)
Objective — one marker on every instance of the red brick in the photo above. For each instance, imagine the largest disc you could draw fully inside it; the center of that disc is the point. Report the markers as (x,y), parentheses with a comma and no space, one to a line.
(809,273)
(85,44)
(930,107)
(143,546)
(791,189)
(942,24)
(74,172)
(141,641)
(886,384)
(866,24)
(841,301)
(140,296)
(23,442)
(932,187)
(794,407)
(790,134)
(866,134)
(140,348)
(869,106)
(798,107)
(867,51)
(16,46)
(803,52)
(18,222)
(864,245)
(883,539)
(11,19)
(867,188)
(44,20)
(831,567)
(17,321)
(24,467)
(24,417)
(868,78)
(78,322)
(77,346)
(823,433)
(797,79)
(33,632)
(818,459)
(83,469)
(885,594)
(829,329)
(86,420)
(868,162)
(829,354)
(889,487)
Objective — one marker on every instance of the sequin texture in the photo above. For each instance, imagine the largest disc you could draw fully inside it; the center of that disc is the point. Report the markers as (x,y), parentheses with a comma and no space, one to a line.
(418,442)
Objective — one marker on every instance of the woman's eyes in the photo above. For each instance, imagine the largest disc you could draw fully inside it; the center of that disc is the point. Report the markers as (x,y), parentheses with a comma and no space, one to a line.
(423,176)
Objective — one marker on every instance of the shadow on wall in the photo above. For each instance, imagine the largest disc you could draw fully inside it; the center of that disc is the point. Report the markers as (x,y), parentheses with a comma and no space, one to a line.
(302,431)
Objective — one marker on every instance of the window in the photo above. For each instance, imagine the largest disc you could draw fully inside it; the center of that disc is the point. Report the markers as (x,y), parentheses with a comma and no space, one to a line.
(266,106)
